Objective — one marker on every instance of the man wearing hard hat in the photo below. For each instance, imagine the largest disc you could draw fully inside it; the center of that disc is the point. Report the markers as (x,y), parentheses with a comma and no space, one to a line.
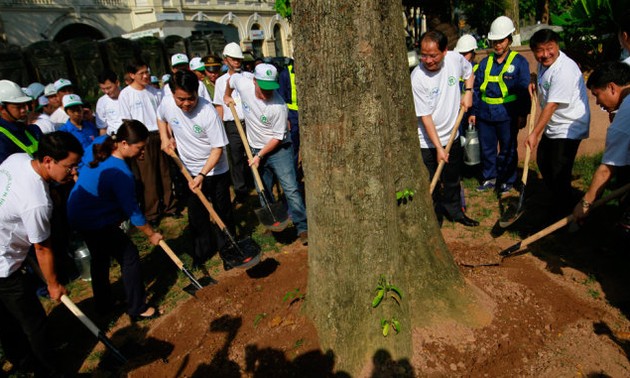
(500,105)
(15,135)
(233,58)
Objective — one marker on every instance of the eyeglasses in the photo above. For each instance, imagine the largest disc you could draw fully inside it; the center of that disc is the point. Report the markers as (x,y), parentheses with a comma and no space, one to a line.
(68,168)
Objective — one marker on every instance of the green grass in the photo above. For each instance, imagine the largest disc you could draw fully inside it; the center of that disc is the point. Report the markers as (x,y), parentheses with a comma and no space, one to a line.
(584,168)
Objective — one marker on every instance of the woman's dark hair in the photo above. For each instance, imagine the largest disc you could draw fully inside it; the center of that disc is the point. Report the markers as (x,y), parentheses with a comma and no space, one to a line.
(58,146)
(543,36)
(185,80)
(131,131)
(435,36)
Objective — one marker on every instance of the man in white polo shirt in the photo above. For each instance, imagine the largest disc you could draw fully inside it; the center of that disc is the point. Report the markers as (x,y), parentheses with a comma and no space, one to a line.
(233,58)
(268,136)
(139,100)
(108,118)
(437,98)
(564,119)
(62,87)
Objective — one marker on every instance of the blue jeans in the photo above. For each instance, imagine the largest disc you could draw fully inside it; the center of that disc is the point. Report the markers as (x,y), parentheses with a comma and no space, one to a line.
(279,163)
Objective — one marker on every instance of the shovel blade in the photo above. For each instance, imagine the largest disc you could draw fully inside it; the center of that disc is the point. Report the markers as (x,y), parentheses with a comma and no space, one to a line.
(274,217)
(512,213)
(244,255)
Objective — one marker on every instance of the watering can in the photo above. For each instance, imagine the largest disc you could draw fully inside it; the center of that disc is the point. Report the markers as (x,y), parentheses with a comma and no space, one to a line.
(82,260)
(470,142)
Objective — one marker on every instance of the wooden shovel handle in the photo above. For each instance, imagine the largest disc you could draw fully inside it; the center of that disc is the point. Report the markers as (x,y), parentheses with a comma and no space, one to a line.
(80,315)
(569,218)
(451,139)
(530,127)
(248,150)
(213,214)
(172,255)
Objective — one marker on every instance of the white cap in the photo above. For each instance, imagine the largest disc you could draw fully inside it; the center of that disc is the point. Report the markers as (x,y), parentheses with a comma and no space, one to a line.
(50,90)
(43,101)
(34,90)
(154,80)
(166,78)
(266,76)
(196,64)
(71,100)
(62,83)
(179,59)
(233,50)
(500,28)
(465,43)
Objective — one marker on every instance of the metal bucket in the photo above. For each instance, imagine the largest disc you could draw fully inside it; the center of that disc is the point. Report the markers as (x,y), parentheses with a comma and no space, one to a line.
(472,151)
(82,260)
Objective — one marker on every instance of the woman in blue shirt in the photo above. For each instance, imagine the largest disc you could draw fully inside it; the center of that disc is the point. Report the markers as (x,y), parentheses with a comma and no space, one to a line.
(101,199)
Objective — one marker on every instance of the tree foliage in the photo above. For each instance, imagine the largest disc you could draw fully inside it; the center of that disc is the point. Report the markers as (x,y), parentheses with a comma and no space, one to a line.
(283,7)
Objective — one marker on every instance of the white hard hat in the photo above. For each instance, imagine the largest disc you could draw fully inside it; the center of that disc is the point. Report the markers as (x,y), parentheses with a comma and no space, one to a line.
(500,28)
(466,43)
(11,93)
(233,50)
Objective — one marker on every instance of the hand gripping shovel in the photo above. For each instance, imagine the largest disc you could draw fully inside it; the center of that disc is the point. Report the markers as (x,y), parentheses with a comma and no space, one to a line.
(451,139)
(273,215)
(509,217)
(83,318)
(512,250)
(244,254)
(194,283)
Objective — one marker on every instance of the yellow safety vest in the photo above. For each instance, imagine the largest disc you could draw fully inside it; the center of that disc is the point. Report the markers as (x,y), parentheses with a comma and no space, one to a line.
(28,149)
(499,80)
(293,105)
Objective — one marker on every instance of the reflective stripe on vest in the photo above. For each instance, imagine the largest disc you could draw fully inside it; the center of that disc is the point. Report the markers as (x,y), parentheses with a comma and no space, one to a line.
(499,80)
(293,105)
(28,149)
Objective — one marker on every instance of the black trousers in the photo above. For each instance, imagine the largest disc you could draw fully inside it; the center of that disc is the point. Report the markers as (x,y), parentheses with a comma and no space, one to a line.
(446,201)
(239,168)
(555,158)
(206,235)
(109,242)
(23,326)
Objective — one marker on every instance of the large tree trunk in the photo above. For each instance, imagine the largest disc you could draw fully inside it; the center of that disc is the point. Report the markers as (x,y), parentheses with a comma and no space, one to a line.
(360,147)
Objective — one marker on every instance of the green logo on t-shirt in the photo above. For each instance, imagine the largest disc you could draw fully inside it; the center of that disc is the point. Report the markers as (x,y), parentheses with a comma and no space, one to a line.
(546,85)
(197,129)
(263,119)
(451,81)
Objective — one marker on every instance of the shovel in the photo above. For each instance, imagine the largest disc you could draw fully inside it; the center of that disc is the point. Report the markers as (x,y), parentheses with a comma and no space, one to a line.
(451,139)
(272,215)
(83,318)
(510,217)
(194,284)
(512,250)
(243,254)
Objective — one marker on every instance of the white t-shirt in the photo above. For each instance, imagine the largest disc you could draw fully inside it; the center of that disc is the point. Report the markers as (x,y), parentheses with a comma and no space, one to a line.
(219,92)
(202,91)
(437,93)
(59,117)
(266,120)
(140,105)
(108,114)
(196,133)
(25,211)
(45,124)
(617,152)
(562,83)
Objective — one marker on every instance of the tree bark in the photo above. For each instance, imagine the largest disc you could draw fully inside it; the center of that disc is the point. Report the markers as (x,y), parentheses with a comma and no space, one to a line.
(512,11)
(360,146)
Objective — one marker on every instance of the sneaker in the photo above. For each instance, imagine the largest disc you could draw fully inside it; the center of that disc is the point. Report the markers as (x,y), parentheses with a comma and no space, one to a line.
(303,236)
(487,185)
(505,189)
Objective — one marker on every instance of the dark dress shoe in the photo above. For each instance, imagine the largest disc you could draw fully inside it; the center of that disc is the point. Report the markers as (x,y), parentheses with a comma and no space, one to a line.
(468,222)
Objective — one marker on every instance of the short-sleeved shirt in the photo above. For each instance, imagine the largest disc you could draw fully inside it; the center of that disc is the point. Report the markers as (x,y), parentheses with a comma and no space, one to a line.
(85,135)
(104,196)
(617,152)
(266,119)
(562,83)
(108,114)
(219,92)
(59,116)
(140,105)
(45,124)
(25,211)
(196,133)
(437,93)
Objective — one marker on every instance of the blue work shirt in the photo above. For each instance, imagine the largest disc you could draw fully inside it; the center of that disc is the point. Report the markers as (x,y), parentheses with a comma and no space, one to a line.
(85,135)
(7,146)
(88,153)
(516,80)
